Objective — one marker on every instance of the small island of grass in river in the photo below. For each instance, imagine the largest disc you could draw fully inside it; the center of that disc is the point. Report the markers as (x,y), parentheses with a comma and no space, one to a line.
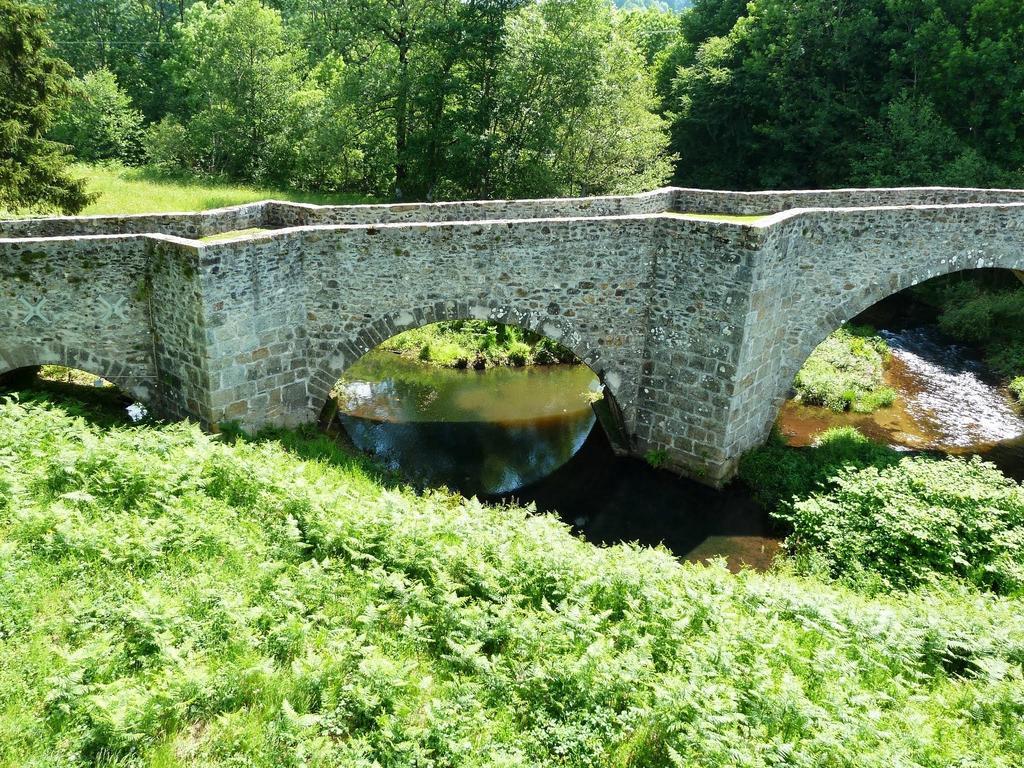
(846,372)
(477,344)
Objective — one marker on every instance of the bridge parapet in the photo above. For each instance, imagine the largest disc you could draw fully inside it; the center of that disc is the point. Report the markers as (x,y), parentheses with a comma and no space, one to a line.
(759,203)
(184,225)
(284,214)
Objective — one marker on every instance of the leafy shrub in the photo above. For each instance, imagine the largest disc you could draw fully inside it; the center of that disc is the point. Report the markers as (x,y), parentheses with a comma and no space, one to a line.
(777,474)
(1017,387)
(912,521)
(166,145)
(845,372)
(99,121)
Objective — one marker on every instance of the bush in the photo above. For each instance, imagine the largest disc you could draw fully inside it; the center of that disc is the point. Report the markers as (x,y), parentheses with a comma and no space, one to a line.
(1017,387)
(99,121)
(166,145)
(905,524)
(845,372)
(778,474)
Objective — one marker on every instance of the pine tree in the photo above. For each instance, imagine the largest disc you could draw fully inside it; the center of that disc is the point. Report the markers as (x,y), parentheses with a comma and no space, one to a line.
(34,171)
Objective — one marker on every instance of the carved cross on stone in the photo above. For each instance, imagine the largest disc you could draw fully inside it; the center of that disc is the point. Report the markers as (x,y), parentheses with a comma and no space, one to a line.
(33,310)
(112,309)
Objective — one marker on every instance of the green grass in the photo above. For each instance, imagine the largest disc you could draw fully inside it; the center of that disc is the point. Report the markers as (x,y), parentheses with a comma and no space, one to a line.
(1017,387)
(169,599)
(124,190)
(477,344)
(845,373)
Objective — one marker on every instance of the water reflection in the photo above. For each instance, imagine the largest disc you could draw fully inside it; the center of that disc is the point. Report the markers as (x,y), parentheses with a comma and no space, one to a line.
(527,435)
(478,432)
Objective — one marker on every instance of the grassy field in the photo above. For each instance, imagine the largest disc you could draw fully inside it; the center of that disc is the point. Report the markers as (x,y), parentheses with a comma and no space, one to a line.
(169,599)
(124,190)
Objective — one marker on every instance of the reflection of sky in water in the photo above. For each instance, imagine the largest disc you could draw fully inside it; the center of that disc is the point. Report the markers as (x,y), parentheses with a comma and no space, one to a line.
(480,432)
(951,396)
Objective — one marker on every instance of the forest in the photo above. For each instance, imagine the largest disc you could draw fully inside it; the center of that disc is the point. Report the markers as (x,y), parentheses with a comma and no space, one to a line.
(444,99)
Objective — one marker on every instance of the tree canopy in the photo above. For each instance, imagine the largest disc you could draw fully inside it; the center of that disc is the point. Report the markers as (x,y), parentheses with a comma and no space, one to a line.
(442,99)
(780,93)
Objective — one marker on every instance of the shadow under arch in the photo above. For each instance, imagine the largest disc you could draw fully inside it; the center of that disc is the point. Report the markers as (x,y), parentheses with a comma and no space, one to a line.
(339,355)
(135,386)
(853,305)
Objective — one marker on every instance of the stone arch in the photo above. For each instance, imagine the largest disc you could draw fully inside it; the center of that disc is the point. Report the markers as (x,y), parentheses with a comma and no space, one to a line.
(337,355)
(820,327)
(138,387)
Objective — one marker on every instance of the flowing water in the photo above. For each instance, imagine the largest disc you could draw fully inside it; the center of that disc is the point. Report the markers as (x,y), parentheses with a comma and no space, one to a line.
(948,402)
(528,435)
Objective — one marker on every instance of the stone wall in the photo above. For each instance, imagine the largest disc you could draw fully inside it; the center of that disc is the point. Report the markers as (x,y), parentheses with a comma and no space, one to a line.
(184,225)
(276,214)
(698,312)
(751,203)
(177,319)
(820,269)
(281,214)
(344,290)
(255,322)
(79,302)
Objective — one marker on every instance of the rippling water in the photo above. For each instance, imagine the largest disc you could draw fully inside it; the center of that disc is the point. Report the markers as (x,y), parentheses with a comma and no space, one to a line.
(947,401)
(955,400)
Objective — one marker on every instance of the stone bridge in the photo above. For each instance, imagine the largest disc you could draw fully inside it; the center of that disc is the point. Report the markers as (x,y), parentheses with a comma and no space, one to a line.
(696,326)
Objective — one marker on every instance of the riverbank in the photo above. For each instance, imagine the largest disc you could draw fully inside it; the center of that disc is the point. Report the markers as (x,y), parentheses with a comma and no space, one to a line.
(477,344)
(169,598)
(846,372)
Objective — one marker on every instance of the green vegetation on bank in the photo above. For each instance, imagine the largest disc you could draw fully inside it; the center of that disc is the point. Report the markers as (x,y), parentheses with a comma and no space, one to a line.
(986,310)
(170,599)
(846,372)
(123,190)
(879,519)
(478,344)
(1017,387)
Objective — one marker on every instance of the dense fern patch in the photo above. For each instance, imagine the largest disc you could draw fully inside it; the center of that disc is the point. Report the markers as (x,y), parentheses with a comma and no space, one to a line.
(167,598)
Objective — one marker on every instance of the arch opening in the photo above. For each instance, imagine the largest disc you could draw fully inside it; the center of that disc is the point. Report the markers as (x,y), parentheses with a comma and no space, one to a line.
(84,392)
(476,405)
(937,366)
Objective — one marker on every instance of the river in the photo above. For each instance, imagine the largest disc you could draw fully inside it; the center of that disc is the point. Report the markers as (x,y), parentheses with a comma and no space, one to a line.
(528,435)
